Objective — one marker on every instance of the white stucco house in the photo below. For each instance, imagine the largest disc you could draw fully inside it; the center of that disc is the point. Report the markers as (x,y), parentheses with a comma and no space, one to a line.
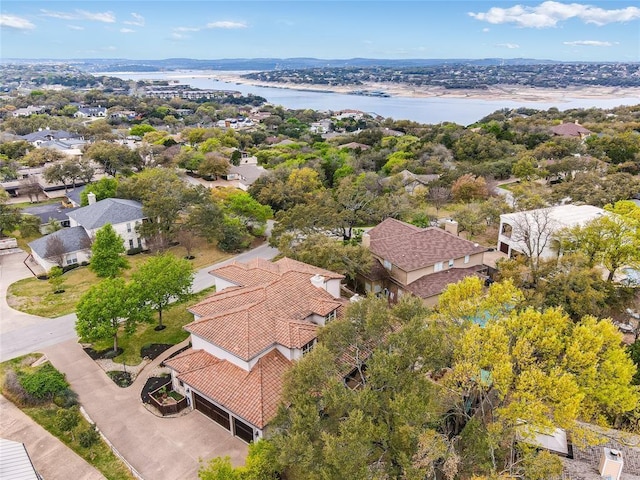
(123,215)
(522,233)
(263,317)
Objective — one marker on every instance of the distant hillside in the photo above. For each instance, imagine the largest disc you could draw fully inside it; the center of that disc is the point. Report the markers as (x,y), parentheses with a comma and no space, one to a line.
(117,64)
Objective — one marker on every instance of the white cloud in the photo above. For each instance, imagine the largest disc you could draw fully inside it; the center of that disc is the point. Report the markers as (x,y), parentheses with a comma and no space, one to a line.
(226,25)
(550,13)
(109,48)
(179,36)
(138,20)
(485,30)
(60,15)
(186,29)
(127,30)
(15,23)
(590,43)
(508,45)
(106,17)
(75,27)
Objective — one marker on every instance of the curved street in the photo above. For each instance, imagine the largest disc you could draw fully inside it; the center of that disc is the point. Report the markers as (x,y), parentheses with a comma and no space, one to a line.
(156,447)
(21,333)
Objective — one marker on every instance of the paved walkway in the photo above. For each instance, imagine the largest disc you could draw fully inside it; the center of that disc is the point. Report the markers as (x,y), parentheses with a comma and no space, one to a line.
(50,456)
(158,448)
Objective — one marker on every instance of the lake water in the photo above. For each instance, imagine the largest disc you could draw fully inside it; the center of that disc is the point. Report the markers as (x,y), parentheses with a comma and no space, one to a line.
(463,111)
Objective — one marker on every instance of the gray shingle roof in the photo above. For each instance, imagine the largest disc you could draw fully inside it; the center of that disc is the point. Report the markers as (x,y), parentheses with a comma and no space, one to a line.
(73,239)
(109,210)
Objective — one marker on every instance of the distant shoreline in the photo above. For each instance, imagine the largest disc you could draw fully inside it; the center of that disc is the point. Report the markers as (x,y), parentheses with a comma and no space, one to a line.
(501,92)
(515,93)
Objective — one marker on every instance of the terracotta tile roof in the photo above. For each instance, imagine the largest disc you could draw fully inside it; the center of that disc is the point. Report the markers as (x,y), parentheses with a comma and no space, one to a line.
(246,321)
(434,284)
(253,396)
(228,299)
(191,360)
(286,264)
(259,271)
(414,248)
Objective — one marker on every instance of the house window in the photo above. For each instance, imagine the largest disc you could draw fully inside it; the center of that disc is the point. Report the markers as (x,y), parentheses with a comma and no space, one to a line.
(437,267)
(308,347)
(130,243)
(72,260)
(466,259)
(451,263)
(139,243)
(331,316)
(129,227)
(181,383)
(387,264)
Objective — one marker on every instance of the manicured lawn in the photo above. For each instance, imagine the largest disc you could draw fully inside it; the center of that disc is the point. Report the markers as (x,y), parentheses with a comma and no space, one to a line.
(174,319)
(36,297)
(99,454)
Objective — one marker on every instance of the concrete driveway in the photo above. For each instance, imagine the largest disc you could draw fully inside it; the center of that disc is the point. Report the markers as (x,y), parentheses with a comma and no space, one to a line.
(158,448)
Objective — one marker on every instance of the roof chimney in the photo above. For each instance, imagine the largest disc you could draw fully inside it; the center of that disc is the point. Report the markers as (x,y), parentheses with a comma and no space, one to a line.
(318,281)
(91,197)
(611,463)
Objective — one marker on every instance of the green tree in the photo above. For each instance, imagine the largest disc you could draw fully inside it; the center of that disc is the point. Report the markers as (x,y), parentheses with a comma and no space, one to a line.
(164,197)
(104,188)
(114,158)
(539,368)
(55,279)
(141,129)
(327,253)
(525,169)
(106,307)
(244,207)
(107,251)
(163,279)
(233,235)
(219,468)
(9,215)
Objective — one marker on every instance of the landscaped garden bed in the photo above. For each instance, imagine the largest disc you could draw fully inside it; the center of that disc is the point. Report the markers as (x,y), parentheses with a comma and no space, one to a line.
(42,393)
(167,401)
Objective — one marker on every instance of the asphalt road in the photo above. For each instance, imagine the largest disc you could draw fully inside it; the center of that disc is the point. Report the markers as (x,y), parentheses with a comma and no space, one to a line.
(21,333)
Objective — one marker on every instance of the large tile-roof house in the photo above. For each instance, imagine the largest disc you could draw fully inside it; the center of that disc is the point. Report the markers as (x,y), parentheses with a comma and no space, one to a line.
(123,215)
(263,317)
(420,261)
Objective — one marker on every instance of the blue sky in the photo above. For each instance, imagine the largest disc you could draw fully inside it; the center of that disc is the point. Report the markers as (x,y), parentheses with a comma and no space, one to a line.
(592,31)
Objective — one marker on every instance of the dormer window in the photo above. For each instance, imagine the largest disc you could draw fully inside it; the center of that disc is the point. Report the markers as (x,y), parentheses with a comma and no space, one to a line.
(387,264)
(437,267)
(306,348)
(451,263)
(331,316)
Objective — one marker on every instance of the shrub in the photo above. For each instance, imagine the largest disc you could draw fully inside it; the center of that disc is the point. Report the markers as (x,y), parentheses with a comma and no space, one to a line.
(14,388)
(134,251)
(72,266)
(88,437)
(67,419)
(44,383)
(65,399)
